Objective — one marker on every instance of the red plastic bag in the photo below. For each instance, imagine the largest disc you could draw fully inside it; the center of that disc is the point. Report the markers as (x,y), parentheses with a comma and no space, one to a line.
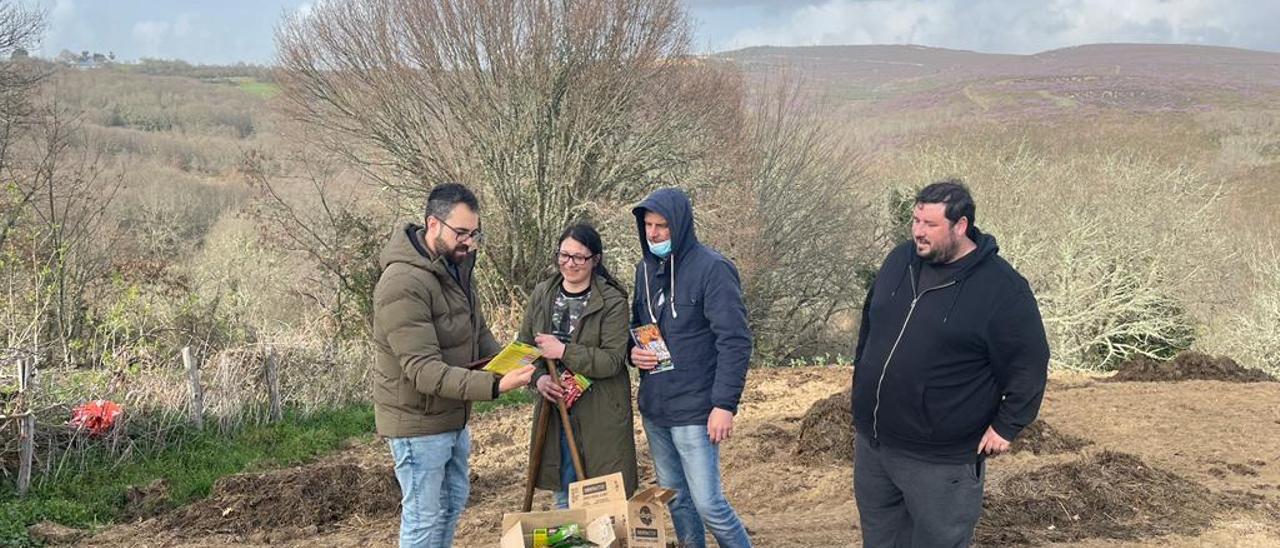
(97,416)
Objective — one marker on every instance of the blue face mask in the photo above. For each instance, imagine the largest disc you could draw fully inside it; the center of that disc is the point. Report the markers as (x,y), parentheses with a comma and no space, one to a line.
(660,249)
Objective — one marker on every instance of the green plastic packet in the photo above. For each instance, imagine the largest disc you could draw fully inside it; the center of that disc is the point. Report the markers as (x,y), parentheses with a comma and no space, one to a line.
(567,536)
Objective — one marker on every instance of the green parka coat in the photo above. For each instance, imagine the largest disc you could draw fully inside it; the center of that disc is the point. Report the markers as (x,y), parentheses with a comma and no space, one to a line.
(602,418)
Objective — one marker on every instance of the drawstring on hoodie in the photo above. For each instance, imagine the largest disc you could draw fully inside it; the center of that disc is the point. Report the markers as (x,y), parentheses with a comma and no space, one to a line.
(648,299)
(672,298)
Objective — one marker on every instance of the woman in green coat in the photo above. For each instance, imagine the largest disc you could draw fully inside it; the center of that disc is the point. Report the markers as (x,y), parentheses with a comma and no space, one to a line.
(579,317)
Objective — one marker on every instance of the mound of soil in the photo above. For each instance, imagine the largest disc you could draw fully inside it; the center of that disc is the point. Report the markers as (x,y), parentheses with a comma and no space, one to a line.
(1188,366)
(1109,495)
(1043,439)
(301,499)
(826,432)
(769,439)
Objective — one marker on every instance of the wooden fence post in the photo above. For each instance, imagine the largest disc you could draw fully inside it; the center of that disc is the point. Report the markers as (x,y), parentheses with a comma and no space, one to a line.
(197,393)
(26,428)
(273,384)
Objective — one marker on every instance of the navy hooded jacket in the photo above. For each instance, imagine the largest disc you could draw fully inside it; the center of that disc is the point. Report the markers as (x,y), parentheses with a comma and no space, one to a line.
(701,317)
(935,366)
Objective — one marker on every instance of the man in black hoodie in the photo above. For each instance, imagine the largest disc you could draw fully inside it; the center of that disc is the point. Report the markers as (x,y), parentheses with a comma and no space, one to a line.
(950,366)
(692,293)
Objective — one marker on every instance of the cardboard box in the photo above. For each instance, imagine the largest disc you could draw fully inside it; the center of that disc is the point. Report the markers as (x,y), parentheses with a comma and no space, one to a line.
(602,496)
(647,518)
(595,491)
(600,531)
(518,528)
(641,521)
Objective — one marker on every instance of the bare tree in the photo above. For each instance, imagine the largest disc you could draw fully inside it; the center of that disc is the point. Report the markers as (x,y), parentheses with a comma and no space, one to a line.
(19,29)
(59,243)
(1249,332)
(551,108)
(800,236)
(303,207)
(54,197)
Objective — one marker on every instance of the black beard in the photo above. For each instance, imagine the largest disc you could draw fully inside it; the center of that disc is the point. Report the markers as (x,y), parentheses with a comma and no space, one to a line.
(940,256)
(450,254)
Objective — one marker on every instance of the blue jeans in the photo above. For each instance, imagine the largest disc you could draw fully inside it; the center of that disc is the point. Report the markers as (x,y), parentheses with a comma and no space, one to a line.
(567,475)
(434,483)
(688,462)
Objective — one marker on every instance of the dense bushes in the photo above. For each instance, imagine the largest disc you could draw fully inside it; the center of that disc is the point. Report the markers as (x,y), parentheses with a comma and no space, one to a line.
(1115,244)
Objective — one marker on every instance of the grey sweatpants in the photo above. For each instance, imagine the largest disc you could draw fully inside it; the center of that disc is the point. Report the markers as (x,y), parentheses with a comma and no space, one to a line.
(907,502)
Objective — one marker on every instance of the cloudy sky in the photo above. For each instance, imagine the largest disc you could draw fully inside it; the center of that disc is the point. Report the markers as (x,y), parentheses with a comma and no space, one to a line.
(226,31)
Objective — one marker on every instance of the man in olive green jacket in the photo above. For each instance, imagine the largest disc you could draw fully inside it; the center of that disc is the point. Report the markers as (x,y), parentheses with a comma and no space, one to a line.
(427,327)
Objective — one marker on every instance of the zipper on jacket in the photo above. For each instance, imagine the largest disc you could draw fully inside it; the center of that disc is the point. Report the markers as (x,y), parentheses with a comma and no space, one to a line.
(875,414)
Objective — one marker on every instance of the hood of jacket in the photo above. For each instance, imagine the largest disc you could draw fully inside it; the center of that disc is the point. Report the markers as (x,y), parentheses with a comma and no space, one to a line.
(674,206)
(407,246)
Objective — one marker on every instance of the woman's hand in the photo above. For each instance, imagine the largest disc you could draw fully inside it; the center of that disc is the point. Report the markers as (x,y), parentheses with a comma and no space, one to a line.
(550,346)
(550,388)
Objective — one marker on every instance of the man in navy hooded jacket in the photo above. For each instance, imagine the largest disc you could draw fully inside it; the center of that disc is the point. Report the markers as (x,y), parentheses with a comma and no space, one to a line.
(950,366)
(694,296)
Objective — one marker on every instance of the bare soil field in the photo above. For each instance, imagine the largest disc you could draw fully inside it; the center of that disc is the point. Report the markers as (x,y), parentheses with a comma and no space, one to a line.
(1190,463)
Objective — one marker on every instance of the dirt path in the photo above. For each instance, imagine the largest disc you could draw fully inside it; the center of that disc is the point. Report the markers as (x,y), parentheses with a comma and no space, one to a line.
(1209,451)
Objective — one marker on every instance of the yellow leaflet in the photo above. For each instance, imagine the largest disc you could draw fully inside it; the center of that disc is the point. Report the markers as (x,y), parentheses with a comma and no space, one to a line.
(514,356)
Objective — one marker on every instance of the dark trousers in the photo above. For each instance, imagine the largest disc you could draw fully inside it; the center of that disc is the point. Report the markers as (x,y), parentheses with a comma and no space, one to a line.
(907,502)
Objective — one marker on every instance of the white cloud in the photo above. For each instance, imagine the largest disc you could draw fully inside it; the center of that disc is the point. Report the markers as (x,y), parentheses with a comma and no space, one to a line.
(65,22)
(184,25)
(151,35)
(164,39)
(1019,26)
(63,10)
(743,3)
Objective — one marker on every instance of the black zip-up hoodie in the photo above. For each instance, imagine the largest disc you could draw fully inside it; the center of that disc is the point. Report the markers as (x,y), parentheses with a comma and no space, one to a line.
(935,366)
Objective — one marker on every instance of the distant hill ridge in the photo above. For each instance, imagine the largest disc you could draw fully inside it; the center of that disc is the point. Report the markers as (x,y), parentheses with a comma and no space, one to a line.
(887,63)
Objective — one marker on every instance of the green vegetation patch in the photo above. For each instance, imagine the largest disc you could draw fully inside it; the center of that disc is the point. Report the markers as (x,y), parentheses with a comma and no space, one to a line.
(94,494)
(253,86)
